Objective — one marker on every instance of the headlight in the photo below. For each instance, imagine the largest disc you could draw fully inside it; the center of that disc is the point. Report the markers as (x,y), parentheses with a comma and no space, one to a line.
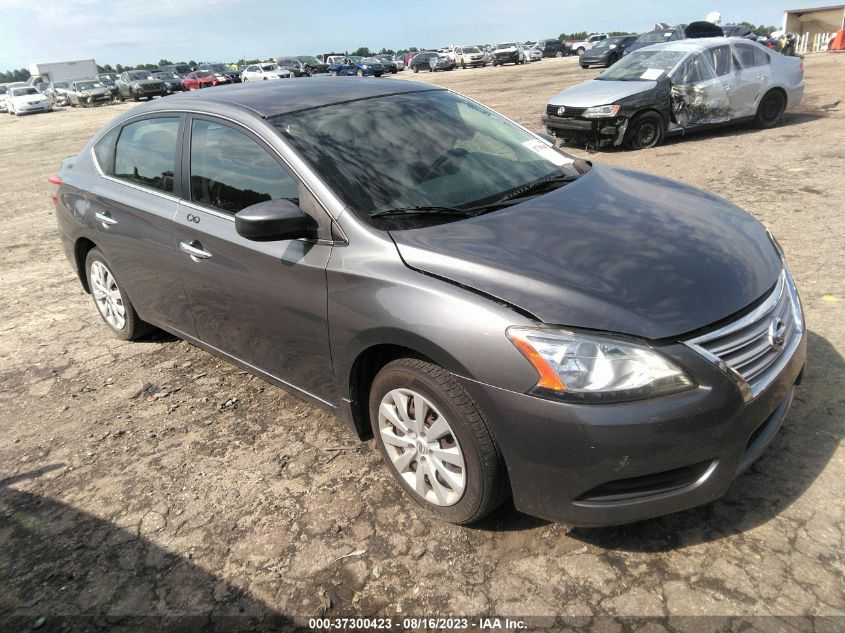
(600,112)
(612,46)
(595,369)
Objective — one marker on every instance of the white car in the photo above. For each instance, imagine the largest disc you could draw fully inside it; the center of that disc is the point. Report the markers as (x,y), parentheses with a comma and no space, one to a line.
(585,45)
(533,55)
(26,99)
(677,86)
(469,55)
(263,72)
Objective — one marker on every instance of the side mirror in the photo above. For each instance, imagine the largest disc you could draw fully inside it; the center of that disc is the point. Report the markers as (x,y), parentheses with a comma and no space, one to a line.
(274,220)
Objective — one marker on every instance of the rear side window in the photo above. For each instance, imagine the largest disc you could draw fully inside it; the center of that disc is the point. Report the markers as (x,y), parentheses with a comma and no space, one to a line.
(745,55)
(104,152)
(146,153)
(761,57)
(721,58)
(230,171)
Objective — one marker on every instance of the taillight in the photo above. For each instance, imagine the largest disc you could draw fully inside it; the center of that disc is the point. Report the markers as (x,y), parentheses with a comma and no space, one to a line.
(801,66)
(55,180)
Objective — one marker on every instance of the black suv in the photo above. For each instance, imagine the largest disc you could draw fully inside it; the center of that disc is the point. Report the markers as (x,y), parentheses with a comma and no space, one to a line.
(553,48)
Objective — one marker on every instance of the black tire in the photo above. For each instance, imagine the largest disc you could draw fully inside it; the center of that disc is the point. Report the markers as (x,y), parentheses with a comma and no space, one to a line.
(134,328)
(585,65)
(463,65)
(771,109)
(486,477)
(612,60)
(645,130)
(415,69)
(579,50)
(558,53)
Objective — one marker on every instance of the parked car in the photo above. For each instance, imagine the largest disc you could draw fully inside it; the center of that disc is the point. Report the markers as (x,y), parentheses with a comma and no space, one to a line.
(108,80)
(172,81)
(204,79)
(26,100)
(222,69)
(263,72)
(693,30)
(88,93)
(181,70)
(553,47)
(387,62)
(138,84)
(675,87)
(578,47)
(5,95)
(432,62)
(469,56)
(607,52)
(56,92)
(296,67)
(739,30)
(503,318)
(508,53)
(533,54)
(313,65)
(348,65)
(399,60)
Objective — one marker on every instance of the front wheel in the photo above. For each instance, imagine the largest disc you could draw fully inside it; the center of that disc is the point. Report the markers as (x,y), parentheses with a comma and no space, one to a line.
(645,130)
(435,441)
(244,80)
(359,73)
(415,69)
(771,109)
(558,54)
(579,50)
(612,60)
(114,306)
(585,65)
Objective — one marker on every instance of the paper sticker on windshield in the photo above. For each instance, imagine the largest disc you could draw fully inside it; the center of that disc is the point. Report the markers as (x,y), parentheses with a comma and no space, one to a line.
(540,148)
(652,73)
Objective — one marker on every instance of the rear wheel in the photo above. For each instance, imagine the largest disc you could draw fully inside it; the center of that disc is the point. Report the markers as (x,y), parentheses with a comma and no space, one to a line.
(436,442)
(771,109)
(585,65)
(612,60)
(558,54)
(645,130)
(415,69)
(112,303)
(579,50)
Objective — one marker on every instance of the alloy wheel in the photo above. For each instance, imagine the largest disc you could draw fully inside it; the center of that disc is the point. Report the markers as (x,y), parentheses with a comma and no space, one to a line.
(422,447)
(107,296)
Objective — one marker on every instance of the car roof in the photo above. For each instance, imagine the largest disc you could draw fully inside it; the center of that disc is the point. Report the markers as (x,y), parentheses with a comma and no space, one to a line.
(690,45)
(281,97)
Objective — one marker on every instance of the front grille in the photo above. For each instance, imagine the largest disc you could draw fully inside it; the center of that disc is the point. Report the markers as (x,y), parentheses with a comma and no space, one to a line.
(755,348)
(551,110)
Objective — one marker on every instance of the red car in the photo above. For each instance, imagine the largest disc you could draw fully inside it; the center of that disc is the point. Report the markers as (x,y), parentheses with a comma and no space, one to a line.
(203,79)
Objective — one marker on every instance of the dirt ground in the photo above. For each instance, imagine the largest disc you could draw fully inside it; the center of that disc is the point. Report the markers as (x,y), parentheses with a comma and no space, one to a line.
(153,479)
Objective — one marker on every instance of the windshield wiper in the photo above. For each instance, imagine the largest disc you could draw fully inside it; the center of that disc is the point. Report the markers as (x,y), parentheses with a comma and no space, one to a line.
(467,212)
(537,184)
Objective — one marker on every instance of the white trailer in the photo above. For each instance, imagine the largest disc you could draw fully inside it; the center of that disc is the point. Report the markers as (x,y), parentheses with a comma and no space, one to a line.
(61,71)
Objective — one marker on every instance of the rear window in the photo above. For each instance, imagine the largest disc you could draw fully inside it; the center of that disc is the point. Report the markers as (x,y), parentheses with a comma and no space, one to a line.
(146,153)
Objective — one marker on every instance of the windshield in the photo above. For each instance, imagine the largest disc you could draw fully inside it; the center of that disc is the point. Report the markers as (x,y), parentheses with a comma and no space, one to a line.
(643,65)
(204,73)
(23,92)
(355,59)
(656,36)
(471,49)
(371,60)
(269,67)
(506,45)
(139,74)
(60,84)
(307,59)
(432,148)
(107,77)
(88,85)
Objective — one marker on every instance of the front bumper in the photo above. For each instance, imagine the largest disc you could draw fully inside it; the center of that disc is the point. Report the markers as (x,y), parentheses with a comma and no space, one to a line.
(595,465)
(27,108)
(597,132)
(506,58)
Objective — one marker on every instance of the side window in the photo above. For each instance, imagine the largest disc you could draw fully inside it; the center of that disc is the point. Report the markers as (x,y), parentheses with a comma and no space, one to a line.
(745,55)
(230,171)
(761,57)
(104,151)
(721,58)
(146,153)
(695,69)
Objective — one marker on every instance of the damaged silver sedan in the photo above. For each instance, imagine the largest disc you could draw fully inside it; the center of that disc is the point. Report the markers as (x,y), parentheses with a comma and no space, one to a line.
(677,86)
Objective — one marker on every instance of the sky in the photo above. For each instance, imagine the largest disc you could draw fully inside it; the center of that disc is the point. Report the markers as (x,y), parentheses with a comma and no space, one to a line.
(145,31)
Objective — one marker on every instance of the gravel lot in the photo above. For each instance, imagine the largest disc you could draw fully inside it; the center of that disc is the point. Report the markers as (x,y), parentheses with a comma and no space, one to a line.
(151,478)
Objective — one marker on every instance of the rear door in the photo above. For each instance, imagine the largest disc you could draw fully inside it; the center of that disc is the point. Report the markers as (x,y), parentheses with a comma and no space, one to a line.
(753,75)
(132,210)
(263,303)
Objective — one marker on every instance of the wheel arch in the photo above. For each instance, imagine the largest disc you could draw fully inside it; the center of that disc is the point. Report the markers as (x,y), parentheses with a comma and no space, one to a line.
(775,88)
(81,248)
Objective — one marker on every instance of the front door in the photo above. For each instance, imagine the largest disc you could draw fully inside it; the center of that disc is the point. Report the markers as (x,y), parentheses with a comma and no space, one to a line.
(263,303)
(698,96)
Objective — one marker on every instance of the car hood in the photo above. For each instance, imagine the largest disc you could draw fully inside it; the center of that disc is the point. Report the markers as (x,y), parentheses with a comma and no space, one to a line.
(599,92)
(615,250)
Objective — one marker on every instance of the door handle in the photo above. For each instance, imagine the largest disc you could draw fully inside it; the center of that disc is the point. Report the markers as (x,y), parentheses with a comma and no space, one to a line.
(195,250)
(105,219)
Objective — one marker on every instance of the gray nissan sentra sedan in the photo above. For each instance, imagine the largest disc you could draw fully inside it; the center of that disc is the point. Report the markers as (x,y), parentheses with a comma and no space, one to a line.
(503,318)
